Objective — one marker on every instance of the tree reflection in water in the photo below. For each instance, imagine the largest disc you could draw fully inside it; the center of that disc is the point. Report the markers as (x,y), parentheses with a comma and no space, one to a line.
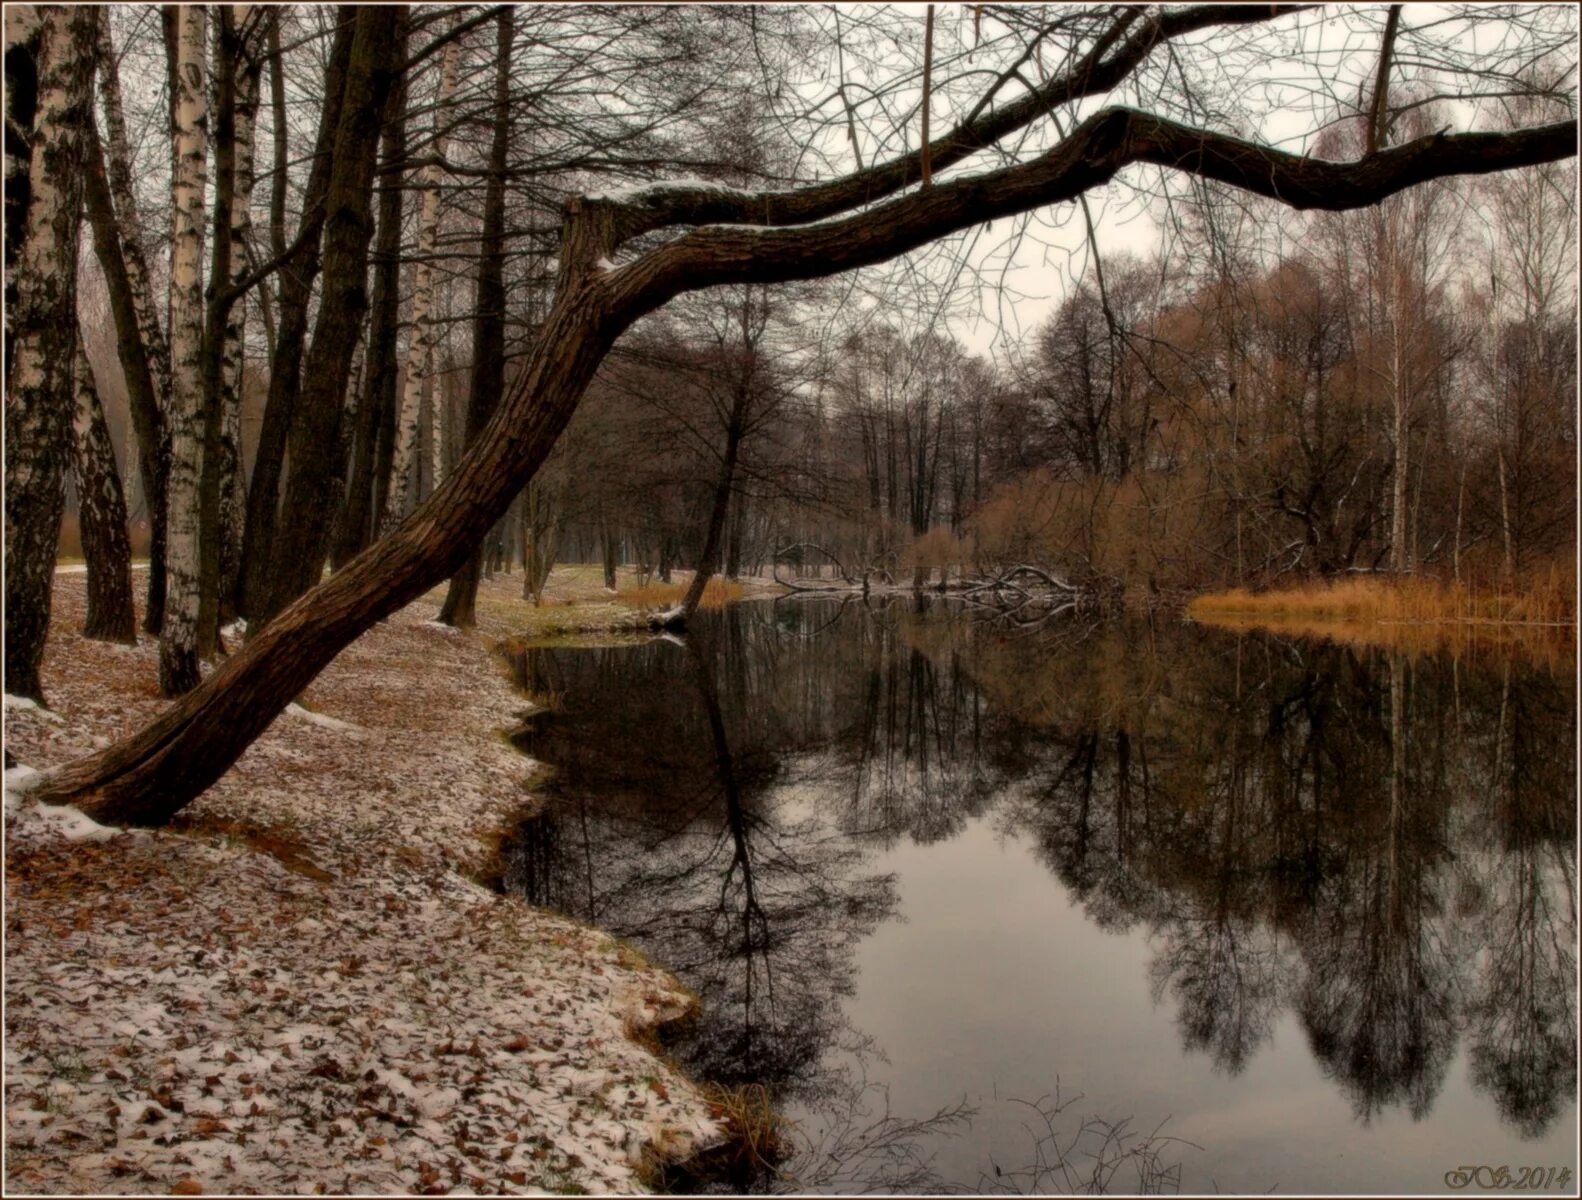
(1381,846)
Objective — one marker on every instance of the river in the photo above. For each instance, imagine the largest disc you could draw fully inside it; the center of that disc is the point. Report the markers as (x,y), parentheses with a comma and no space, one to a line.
(987,909)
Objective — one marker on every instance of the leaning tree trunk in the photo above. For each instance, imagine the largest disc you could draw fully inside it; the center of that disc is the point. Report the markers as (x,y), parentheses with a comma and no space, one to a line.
(150,776)
(302,542)
(101,509)
(178,639)
(155,772)
(488,329)
(420,346)
(144,349)
(41,324)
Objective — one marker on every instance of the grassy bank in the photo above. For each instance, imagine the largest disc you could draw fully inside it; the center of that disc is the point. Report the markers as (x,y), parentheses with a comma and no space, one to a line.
(1535,617)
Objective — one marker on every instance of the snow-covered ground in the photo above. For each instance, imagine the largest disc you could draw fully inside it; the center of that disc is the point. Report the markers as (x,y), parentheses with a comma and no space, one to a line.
(300,988)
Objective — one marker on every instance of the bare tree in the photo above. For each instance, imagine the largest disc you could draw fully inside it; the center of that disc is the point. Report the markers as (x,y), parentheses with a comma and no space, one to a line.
(683,237)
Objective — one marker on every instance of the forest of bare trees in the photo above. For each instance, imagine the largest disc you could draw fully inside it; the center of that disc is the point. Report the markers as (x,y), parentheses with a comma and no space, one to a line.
(542,283)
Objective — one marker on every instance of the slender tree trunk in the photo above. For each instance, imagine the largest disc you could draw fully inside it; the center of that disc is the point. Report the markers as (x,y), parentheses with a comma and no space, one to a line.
(101,509)
(373,446)
(420,347)
(217,319)
(317,459)
(145,350)
(488,328)
(41,327)
(148,422)
(232,478)
(178,639)
(296,284)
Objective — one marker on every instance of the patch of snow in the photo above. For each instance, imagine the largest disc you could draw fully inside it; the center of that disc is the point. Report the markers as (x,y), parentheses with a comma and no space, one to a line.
(605,264)
(326,722)
(72,569)
(69,823)
(235,629)
(23,704)
(441,626)
(19,779)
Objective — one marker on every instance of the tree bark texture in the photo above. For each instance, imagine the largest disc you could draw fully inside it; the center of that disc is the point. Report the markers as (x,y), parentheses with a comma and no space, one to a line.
(232,477)
(41,323)
(178,638)
(488,327)
(420,346)
(101,510)
(302,542)
(155,772)
(374,444)
(218,306)
(296,285)
(143,399)
(140,335)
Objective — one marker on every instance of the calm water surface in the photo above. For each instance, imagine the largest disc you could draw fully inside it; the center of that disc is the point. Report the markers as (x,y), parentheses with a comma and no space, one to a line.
(1310,908)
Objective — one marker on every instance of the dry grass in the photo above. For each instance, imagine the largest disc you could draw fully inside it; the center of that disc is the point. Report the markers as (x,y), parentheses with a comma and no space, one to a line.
(1536,618)
(1546,597)
(718,593)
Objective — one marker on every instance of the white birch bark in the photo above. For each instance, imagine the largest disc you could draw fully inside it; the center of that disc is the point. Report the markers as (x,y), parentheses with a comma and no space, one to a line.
(420,347)
(233,484)
(41,324)
(178,640)
(101,510)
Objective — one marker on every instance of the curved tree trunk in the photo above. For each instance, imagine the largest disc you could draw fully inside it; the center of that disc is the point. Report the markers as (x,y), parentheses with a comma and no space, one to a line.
(140,334)
(150,776)
(488,329)
(41,324)
(101,508)
(148,422)
(420,346)
(178,638)
(155,772)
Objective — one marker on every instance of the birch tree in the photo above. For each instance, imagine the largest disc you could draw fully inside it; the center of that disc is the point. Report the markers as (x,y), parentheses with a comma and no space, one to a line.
(178,638)
(101,511)
(49,77)
(420,347)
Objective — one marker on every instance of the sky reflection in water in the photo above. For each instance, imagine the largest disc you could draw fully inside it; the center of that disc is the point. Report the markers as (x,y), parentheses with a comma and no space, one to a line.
(1312,907)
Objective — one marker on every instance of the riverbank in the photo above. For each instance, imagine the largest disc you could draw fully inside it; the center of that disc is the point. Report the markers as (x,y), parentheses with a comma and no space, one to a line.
(1536,620)
(303,986)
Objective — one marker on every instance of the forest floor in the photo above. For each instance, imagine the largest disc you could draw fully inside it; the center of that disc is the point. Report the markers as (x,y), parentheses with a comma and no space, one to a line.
(302,986)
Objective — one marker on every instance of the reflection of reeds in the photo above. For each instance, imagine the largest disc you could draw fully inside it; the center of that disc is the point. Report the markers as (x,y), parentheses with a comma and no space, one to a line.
(1536,620)
(716,594)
